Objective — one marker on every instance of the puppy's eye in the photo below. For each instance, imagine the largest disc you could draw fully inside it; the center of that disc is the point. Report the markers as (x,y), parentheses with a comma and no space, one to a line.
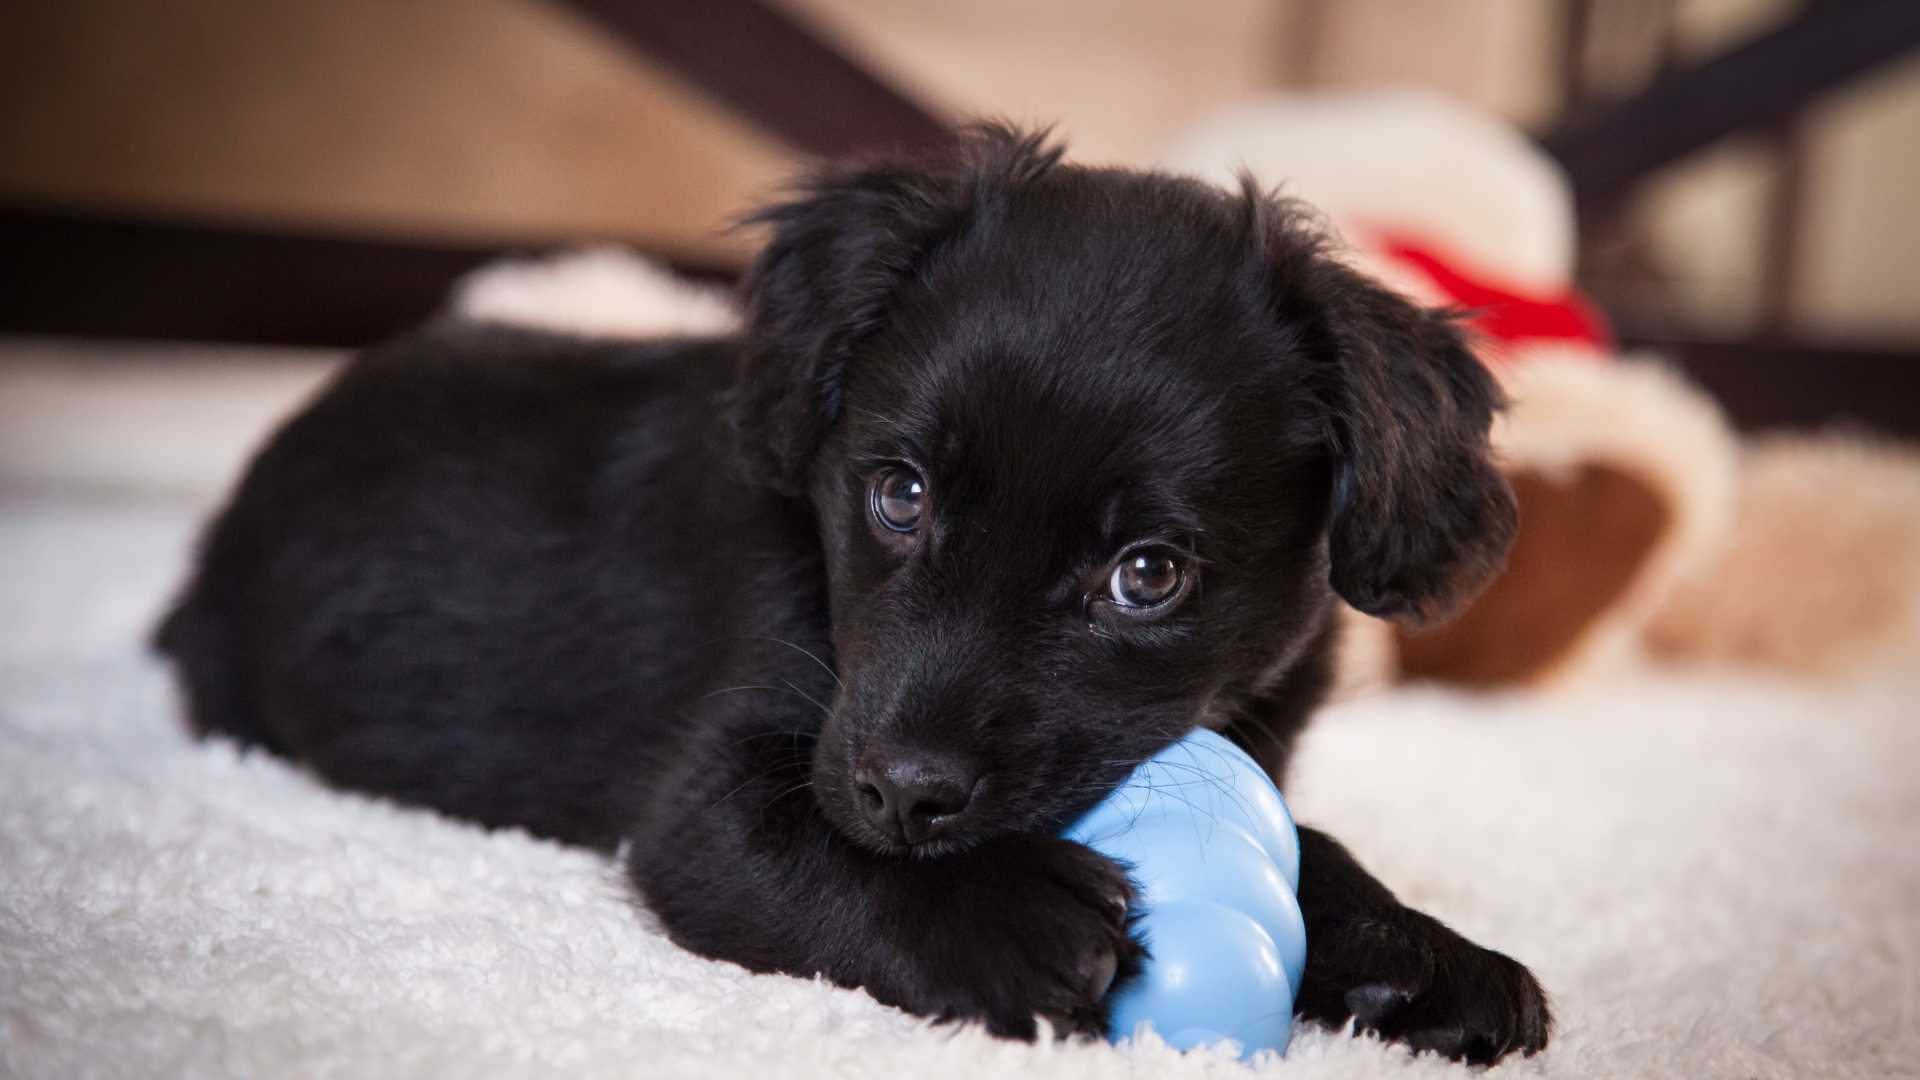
(899,498)
(1146,577)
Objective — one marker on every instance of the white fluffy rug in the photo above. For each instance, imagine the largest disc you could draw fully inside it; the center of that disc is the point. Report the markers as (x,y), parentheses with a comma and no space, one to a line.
(1716,875)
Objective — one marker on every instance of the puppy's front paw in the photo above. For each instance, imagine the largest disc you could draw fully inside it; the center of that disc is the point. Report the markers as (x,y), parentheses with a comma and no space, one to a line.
(1410,979)
(1019,929)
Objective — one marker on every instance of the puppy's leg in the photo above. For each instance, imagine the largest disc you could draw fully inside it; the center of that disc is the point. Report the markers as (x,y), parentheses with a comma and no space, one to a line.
(738,861)
(1403,974)
(1394,970)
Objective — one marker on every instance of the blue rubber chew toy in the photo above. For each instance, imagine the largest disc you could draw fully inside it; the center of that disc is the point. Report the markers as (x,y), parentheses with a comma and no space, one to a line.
(1210,843)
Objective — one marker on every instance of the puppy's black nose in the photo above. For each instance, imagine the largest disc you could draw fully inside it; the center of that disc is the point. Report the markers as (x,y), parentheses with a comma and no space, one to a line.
(914,796)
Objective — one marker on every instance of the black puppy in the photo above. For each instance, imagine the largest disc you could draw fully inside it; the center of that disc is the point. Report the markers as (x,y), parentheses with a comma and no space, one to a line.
(1019,471)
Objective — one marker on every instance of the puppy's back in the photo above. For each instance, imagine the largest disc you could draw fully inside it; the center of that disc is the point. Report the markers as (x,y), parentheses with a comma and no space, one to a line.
(411,571)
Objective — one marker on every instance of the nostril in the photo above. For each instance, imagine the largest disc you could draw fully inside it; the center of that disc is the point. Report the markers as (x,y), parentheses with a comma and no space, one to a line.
(913,797)
(879,803)
(939,800)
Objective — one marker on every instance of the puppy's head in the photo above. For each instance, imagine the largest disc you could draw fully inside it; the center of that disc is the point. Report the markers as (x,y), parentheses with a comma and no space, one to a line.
(1091,451)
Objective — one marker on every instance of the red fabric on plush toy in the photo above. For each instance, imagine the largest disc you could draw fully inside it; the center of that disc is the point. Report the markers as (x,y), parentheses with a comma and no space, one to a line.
(1498,313)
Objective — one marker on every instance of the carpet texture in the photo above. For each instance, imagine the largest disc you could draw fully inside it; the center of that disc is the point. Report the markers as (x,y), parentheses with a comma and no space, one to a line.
(1717,875)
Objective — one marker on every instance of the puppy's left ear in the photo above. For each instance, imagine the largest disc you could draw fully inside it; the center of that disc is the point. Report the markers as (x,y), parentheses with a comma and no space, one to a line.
(1421,519)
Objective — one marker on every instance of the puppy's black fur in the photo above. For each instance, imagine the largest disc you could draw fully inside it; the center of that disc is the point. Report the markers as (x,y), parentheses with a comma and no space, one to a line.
(659,593)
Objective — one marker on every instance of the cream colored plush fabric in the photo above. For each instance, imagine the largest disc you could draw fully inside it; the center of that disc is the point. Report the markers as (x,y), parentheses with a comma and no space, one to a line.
(1823,574)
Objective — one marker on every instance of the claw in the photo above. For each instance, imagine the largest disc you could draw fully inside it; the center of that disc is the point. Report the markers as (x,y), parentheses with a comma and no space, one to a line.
(1097,975)
(1374,1002)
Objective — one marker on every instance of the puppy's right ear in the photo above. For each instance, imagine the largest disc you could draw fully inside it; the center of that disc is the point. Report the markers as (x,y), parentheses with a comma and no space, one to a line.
(842,247)
(839,251)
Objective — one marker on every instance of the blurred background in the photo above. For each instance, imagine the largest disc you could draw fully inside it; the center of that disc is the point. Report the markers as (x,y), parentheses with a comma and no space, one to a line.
(317,171)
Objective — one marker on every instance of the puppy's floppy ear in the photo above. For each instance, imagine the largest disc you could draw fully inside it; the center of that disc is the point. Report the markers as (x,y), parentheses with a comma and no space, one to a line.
(842,248)
(1421,519)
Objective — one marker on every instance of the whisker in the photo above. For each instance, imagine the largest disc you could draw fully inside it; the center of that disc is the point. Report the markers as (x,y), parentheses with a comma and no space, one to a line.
(794,734)
(1200,771)
(824,666)
(775,689)
(783,793)
(755,778)
(1213,780)
(824,711)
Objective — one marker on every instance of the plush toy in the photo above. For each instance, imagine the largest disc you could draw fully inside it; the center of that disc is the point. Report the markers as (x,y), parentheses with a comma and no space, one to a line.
(1209,841)
(1625,474)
